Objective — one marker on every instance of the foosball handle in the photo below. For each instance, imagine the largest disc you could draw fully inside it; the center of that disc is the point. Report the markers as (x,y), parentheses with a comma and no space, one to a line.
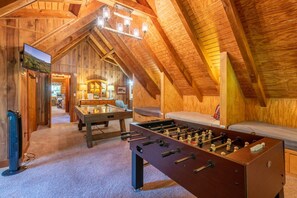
(168,153)
(210,164)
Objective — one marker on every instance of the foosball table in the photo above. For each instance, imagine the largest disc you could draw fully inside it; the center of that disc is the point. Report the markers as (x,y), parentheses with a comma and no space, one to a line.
(208,161)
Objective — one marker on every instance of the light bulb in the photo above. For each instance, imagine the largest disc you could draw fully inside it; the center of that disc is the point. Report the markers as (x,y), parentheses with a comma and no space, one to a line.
(106,13)
(127,22)
(100,22)
(120,27)
(136,32)
(144,27)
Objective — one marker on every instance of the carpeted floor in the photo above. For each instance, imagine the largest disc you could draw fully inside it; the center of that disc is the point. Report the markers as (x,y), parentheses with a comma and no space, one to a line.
(59,116)
(65,167)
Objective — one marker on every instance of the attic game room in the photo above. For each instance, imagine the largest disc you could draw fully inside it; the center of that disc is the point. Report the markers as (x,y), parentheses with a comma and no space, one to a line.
(148,98)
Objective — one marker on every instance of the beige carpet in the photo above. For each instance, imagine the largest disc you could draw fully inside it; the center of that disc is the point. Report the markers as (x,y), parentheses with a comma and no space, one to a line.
(65,167)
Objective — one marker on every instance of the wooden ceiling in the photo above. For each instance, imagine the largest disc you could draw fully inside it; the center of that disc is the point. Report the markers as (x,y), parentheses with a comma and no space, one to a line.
(185,40)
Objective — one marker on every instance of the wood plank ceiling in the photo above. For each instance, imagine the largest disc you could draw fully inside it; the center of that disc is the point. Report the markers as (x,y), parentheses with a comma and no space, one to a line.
(185,40)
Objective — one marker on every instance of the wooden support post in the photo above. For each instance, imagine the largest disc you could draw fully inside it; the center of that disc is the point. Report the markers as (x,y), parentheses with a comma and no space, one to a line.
(232,105)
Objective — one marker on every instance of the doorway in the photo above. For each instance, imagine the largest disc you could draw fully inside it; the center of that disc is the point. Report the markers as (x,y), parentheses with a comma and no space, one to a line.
(60,98)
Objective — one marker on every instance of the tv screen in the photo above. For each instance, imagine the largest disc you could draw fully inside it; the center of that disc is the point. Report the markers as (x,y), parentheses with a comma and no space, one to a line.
(37,60)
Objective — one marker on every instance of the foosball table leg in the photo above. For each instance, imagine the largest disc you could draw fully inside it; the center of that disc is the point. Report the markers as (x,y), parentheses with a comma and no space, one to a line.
(137,172)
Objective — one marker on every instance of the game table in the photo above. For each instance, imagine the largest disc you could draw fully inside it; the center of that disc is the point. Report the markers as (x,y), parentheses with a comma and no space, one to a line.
(100,114)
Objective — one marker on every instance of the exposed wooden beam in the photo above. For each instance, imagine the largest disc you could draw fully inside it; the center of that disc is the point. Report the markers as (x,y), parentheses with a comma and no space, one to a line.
(188,25)
(124,69)
(65,1)
(123,66)
(60,28)
(159,65)
(138,8)
(245,51)
(58,45)
(135,67)
(95,47)
(38,14)
(63,51)
(107,54)
(102,38)
(9,6)
(100,44)
(177,59)
(88,17)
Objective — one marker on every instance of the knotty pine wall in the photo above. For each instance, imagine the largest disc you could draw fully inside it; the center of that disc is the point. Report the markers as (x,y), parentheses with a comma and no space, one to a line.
(280,111)
(207,106)
(13,34)
(84,63)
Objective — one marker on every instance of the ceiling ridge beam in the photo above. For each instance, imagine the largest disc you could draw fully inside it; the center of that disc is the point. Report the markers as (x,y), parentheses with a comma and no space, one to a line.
(238,32)
(174,55)
(190,29)
(13,6)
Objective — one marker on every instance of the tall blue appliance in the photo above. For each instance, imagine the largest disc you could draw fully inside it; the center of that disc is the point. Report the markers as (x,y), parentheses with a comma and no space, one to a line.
(14,143)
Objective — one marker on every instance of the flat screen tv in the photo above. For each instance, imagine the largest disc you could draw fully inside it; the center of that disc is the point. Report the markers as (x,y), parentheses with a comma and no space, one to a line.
(36,60)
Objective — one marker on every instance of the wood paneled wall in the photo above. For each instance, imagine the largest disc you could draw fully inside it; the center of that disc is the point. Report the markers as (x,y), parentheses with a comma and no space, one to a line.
(170,99)
(3,94)
(13,33)
(84,63)
(232,107)
(208,106)
(141,98)
(280,111)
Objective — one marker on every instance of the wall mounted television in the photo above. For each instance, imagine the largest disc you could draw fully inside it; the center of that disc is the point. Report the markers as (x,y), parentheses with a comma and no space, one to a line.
(35,59)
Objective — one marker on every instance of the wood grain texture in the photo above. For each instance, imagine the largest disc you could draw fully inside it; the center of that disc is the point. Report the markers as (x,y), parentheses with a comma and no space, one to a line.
(208,106)
(85,63)
(171,100)
(141,98)
(245,50)
(270,28)
(279,111)
(32,102)
(232,106)
(3,94)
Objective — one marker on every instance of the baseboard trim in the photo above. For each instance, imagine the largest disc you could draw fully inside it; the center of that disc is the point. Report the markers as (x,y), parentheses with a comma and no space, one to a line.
(3,163)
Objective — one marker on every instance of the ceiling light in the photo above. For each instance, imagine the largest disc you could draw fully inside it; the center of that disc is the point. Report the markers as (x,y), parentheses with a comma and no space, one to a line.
(125,21)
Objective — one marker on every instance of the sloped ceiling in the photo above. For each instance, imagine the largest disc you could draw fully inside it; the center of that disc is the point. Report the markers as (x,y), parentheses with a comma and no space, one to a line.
(185,40)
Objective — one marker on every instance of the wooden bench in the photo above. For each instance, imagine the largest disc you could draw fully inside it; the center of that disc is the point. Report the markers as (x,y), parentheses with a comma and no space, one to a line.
(143,114)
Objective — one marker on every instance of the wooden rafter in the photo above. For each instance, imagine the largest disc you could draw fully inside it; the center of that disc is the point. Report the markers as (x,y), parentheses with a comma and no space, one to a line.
(245,51)
(135,67)
(107,54)
(38,14)
(188,25)
(88,17)
(177,60)
(63,51)
(95,47)
(9,6)
(65,1)
(159,64)
(125,69)
(141,9)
